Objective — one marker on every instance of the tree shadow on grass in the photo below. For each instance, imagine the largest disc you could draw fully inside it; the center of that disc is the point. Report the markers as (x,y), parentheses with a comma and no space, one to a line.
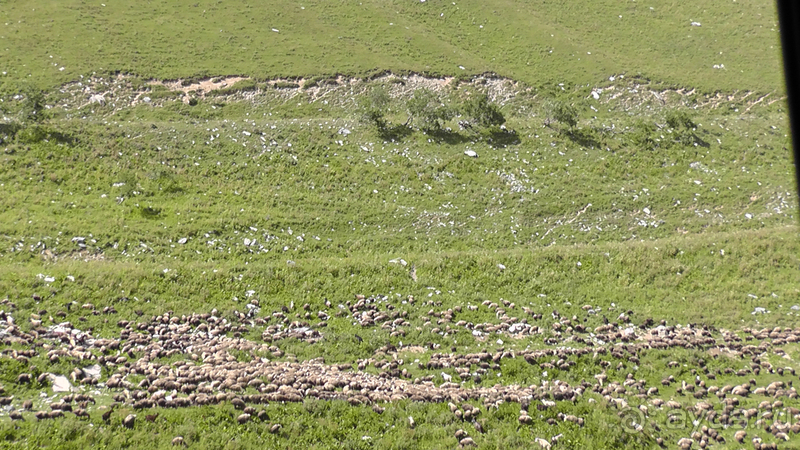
(699,141)
(584,138)
(395,132)
(502,138)
(39,133)
(447,137)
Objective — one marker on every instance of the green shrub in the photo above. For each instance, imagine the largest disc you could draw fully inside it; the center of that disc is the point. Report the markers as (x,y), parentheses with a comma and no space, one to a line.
(559,112)
(373,106)
(642,135)
(149,212)
(482,112)
(427,109)
(683,127)
(32,105)
(679,119)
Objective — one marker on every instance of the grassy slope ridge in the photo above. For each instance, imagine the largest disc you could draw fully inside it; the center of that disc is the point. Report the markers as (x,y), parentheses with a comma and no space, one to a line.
(532,41)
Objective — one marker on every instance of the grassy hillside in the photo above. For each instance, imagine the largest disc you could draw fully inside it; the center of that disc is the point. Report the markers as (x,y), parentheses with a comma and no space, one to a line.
(532,41)
(296,259)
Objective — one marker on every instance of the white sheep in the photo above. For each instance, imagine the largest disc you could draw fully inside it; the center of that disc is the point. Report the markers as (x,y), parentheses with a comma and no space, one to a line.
(98,98)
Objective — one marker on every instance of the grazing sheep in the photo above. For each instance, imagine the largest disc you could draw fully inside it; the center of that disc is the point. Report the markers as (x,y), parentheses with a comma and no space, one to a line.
(129,421)
(98,98)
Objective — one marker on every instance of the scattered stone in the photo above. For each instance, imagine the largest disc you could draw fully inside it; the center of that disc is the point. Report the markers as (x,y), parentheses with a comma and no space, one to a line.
(93,371)
(60,383)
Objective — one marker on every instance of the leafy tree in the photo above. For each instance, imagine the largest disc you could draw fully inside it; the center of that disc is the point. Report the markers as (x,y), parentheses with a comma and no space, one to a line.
(482,112)
(560,112)
(372,107)
(428,110)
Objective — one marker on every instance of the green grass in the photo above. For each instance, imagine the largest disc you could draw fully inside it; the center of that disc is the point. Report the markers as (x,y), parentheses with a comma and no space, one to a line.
(532,41)
(672,197)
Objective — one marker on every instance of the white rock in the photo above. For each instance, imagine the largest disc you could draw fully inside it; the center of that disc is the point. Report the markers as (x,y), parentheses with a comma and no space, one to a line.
(696,24)
(60,383)
(501,267)
(182,240)
(92,371)
(471,153)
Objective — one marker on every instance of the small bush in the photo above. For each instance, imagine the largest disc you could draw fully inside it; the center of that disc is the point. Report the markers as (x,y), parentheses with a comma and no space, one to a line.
(427,109)
(642,135)
(149,212)
(32,105)
(683,127)
(678,119)
(372,107)
(560,112)
(482,112)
